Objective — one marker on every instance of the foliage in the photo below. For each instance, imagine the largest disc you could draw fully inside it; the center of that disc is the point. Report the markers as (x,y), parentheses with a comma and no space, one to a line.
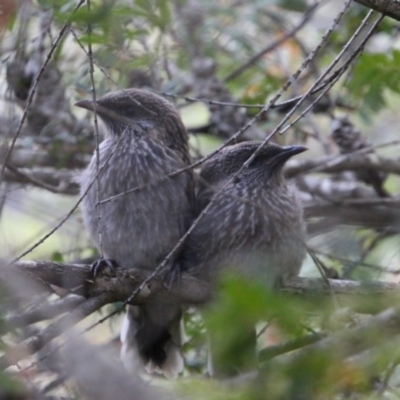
(186,48)
(372,76)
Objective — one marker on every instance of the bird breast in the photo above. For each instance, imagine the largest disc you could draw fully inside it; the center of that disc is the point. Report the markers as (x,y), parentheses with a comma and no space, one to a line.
(258,232)
(139,228)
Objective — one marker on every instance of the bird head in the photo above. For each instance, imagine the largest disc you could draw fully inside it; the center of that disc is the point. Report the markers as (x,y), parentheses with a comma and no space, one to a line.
(138,111)
(267,164)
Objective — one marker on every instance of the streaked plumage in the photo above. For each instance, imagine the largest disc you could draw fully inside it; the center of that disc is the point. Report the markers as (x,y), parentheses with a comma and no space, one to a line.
(147,140)
(256,225)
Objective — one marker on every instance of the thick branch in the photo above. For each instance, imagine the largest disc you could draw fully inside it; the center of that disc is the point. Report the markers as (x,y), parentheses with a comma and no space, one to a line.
(349,162)
(54,180)
(350,342)
(190,290)
(328,164)
(328,203)
(273,351)
(109,289)
(311,286)
(391,8)
(78,278)
(373,216)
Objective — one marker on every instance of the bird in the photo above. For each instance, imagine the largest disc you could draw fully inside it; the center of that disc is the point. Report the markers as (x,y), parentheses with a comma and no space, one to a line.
(254,225)
(144,140)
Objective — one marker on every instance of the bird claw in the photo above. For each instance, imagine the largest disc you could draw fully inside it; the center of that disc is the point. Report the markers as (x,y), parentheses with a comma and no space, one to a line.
(104,266)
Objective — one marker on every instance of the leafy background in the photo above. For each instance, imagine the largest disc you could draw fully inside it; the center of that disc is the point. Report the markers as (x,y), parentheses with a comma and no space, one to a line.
(191,49)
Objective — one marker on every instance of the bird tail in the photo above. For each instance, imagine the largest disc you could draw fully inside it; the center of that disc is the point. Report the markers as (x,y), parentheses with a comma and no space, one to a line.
(151,336)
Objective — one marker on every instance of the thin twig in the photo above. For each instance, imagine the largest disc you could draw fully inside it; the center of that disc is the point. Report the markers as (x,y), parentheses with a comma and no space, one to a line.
(38,341)
(272,46)
(273,351)
(43,312)
(33,89)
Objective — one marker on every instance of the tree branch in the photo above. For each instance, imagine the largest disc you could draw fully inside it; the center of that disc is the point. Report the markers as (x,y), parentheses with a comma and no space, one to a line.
(391,8)
(39,340)
(347,162)
(53,180)
(384,325)
(190,290)
(61,178)
(78,278)
(107,289)
(43,312)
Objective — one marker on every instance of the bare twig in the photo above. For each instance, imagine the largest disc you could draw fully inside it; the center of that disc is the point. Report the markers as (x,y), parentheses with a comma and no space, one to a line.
(44,312)
(36,342)
(61,181)
(271,46)
(33,90)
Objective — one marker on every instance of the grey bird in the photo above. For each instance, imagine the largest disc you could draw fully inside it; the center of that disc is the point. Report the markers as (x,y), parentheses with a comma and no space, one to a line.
(144,140)
(255,226)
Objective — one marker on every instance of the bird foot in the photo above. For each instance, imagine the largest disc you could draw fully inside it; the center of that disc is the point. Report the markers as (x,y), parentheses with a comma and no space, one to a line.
(103,266)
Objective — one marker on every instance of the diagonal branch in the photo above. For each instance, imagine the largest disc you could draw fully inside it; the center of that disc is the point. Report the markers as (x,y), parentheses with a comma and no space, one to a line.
(38,341)
(271,46)
(391,8)
(44,312)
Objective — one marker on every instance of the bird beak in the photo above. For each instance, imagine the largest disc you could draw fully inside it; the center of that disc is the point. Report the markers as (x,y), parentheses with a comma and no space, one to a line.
(102,111)
(293,150)
(287,152)
(87,104)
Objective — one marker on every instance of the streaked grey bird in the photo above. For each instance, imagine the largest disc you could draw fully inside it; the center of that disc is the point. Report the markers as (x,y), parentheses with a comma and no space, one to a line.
(255,226)
(144,140)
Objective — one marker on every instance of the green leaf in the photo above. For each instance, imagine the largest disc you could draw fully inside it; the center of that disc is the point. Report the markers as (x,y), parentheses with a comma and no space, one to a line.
(56,4)
(95,16)
(372,75)
(231,320)
(294,5)
(57,257)
(94,38)
(156,12)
